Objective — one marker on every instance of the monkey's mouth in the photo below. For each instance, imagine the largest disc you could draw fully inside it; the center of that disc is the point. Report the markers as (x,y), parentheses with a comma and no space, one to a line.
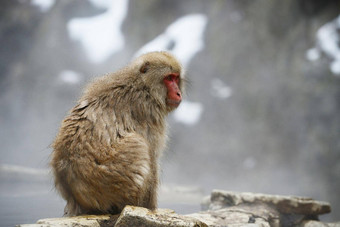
(173,103)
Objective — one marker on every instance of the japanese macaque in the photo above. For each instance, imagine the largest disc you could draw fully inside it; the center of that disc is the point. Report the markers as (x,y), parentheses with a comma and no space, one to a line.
(106,153)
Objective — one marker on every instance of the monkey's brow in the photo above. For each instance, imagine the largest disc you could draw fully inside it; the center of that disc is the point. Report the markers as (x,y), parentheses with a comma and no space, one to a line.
(174,69)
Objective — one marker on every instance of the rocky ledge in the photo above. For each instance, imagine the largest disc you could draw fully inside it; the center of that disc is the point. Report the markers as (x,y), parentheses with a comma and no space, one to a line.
(221,208)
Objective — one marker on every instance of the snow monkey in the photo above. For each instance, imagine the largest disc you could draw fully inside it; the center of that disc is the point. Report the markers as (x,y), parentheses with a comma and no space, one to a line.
(106,153)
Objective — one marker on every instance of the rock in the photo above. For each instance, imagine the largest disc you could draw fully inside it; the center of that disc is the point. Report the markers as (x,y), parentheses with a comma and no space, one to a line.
(248,215)
(232,209)
(312,223)
(283,204)
(79,221)
(138,216)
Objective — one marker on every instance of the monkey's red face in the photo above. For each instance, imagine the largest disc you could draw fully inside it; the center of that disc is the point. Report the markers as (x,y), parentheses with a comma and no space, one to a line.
(174,95)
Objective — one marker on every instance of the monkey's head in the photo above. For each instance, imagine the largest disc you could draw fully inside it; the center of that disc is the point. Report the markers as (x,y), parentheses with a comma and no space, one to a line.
(162,75)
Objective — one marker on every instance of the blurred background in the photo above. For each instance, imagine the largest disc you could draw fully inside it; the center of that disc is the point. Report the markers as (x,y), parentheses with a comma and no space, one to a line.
(261,113)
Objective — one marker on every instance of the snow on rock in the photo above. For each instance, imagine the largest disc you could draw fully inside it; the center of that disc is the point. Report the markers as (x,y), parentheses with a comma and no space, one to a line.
(43,5)
(184,38)
(70,77)
(188,113)
(328,38)
(101,35)
(219,89)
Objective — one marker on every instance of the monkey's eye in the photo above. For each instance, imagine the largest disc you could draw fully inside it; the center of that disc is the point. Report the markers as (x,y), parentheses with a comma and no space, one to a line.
(174,77)
(169,78)
(145,67)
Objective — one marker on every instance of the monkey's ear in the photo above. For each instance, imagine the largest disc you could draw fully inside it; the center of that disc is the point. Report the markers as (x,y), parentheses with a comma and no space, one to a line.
(145,67)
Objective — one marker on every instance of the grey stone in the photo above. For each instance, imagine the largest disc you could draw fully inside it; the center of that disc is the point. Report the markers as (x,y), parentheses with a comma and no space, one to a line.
(79,221)
(226,208)
(138,216)
(284,204)
(240,216)
(312,223)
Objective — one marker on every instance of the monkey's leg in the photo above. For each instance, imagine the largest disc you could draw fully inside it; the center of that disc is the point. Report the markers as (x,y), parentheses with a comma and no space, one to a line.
(150,198)
(106,179)
(112,177)
(132,164)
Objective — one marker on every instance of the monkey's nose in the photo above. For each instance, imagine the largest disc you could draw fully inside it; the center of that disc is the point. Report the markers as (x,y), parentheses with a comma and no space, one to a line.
(179,95)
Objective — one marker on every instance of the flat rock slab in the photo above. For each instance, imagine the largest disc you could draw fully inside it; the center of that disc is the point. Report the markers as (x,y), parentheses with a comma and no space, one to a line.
(81,221)
(259,216)
(283,204)
(312,223)
(138,216)
(232,209)
(244,215)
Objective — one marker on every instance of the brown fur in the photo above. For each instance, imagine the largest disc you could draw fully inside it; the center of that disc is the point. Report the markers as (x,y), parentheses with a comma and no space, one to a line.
(106,152)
